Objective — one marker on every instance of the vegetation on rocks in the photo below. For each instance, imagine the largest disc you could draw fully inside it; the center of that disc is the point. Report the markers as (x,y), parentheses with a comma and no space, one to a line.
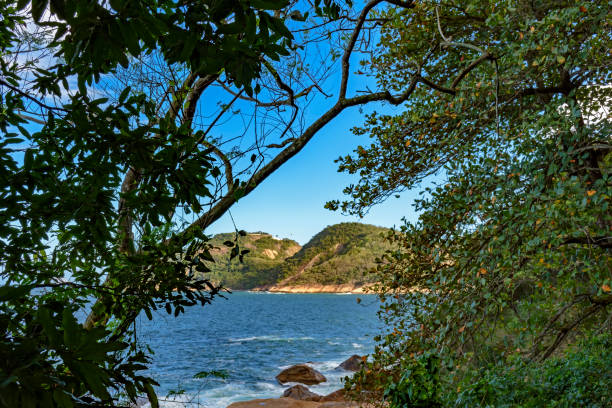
(343,253)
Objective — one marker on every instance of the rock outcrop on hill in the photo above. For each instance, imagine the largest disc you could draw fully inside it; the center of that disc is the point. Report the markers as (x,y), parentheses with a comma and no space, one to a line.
(258,267)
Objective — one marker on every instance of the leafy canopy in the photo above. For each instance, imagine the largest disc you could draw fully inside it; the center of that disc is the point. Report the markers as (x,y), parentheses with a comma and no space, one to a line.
(509,126)
(63,155)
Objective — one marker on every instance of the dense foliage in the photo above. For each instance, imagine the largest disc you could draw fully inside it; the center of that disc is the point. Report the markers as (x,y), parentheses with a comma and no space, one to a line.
(70,229)
(510,122)
(579,378)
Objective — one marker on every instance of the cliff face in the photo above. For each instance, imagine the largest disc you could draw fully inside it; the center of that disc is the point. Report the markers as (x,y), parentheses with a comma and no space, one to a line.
(337,259)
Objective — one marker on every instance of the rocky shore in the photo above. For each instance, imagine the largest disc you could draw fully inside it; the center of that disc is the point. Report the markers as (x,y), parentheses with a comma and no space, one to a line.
(299,396)
(342,288)
(314,288)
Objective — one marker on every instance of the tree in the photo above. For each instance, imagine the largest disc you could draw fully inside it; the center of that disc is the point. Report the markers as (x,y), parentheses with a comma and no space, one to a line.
(511,253)
(66,222)
(114,163)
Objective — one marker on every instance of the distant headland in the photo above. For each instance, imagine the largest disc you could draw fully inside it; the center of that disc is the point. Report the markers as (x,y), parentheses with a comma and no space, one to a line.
(339,259)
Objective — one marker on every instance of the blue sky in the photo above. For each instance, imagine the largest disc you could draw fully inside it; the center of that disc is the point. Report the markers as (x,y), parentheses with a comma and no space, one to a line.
(290,202)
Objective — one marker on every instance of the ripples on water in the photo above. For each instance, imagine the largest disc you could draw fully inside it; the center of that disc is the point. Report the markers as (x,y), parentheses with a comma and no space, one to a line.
(252,337)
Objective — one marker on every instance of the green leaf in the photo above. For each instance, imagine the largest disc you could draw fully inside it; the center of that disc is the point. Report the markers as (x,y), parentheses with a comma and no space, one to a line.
(124,94)
(214,373)
(38,8)
(71,329)
(62,398)
(21,4)
(9,293)
(269,4)
(151,395)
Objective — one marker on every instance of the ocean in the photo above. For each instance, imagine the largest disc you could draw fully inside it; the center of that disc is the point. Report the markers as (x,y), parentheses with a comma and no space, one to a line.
(251,337)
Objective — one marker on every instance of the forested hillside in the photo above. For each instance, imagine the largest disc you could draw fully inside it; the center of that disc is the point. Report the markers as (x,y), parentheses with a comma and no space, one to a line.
(340,254)
(258,265)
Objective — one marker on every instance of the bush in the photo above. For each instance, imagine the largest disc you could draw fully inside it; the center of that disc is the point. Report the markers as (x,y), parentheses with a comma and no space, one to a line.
(419,386)
(582,377)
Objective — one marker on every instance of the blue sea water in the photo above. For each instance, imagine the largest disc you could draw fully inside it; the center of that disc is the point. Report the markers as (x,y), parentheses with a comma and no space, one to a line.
(252,337)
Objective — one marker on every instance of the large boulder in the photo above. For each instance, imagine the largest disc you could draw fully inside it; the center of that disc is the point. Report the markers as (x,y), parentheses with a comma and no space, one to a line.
(301,373)
(290,403)
(275,403)
(336,396)
(299,392)
(353,363)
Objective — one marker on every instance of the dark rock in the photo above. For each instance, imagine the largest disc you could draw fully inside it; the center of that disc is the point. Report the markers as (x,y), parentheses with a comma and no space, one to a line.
(336,396)
(301,373)
(300,392)
(353,363)
(275,403)
(290,403)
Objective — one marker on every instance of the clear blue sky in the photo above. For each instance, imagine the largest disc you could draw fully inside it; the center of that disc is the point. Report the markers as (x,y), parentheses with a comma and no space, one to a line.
(290,202)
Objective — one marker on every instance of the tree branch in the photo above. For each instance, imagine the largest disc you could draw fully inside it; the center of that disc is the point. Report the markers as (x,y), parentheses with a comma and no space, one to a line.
(31,98)
(355,36)
(602,241)
(191,100)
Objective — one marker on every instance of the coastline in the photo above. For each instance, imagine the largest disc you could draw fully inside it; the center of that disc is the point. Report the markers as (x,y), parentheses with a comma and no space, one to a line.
(340,288)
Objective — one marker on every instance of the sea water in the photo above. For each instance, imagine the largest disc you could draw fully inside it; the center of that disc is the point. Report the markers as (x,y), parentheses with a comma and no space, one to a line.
(251,337)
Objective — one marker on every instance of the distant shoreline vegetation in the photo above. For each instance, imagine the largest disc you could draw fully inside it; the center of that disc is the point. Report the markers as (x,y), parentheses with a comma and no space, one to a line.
(339,259)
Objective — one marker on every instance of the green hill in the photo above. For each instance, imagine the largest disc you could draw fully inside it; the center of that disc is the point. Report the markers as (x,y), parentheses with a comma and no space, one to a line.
(340,254)
(258,266)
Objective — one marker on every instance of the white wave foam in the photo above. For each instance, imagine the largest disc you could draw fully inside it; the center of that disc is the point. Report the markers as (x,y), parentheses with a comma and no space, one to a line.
(325,366)
(270,338)
(183,401)
(228,393)
(266,386)
(357,345)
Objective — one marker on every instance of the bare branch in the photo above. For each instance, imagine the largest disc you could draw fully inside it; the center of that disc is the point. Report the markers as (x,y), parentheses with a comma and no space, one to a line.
(356,33)
(272,104)
(31,98)
(469,68)
(447,41)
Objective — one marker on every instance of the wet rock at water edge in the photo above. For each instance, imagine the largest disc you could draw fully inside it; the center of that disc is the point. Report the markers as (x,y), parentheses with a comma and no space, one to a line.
(301,373)
(336,396)
(300,392)
(275,403)
(353,363)
(290,403)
